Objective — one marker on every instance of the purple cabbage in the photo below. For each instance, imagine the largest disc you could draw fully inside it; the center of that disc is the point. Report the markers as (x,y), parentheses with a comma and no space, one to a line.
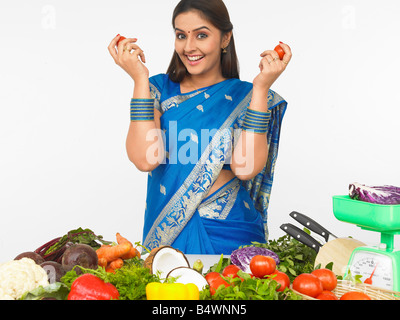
(242,257)
(375,194)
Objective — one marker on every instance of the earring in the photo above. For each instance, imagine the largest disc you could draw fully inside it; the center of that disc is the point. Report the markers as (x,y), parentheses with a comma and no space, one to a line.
(224,50)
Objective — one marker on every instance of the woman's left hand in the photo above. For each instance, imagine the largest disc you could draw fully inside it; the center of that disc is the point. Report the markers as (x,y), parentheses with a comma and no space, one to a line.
(271,67)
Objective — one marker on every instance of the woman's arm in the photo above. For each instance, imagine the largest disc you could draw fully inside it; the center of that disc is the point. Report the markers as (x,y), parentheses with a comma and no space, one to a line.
(251,151)
(144,143)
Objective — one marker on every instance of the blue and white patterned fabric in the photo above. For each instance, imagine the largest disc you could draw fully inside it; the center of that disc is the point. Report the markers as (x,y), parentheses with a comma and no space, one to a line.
(199,131)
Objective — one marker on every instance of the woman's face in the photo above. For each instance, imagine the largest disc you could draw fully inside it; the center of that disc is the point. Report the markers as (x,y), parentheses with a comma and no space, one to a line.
(198,43)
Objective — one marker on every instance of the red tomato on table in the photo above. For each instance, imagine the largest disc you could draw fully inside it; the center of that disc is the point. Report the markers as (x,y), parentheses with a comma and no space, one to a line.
(308,284)
(214,279)
(282,278)
(262,266)
(355,295)
(327,277)
(231,271)
(327,295)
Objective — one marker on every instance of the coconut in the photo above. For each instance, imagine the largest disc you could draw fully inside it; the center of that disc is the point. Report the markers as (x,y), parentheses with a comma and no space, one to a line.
(165,258)
(188,275)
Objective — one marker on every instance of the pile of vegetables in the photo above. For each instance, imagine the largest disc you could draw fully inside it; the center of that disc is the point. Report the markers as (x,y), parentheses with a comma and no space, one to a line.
(264,282)
(71,266)
(261,271)
(83,266)
(32,271)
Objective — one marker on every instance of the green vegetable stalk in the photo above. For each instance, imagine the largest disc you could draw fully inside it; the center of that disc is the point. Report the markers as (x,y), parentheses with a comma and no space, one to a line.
(198,266)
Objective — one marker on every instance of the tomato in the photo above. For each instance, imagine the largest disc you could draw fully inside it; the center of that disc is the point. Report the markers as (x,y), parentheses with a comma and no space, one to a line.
(327,295)
(355,295)
(282,278)
(231,271)
(308,284)
(214,279)
(121,38)
(280,51)
(261,266)
(327,277)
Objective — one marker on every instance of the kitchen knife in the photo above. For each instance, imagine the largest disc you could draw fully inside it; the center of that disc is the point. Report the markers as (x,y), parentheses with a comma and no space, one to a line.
(301,236)
(311,224)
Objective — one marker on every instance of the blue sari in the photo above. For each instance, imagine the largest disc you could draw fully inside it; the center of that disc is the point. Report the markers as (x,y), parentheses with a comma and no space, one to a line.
(200,129)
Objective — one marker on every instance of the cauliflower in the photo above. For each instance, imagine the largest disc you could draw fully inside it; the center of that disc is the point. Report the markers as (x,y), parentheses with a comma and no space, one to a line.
(20,276)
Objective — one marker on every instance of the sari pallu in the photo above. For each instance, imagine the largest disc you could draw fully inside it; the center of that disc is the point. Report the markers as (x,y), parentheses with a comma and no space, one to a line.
(179,211)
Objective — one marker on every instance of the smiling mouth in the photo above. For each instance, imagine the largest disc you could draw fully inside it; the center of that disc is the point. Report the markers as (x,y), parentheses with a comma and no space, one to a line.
(194,59)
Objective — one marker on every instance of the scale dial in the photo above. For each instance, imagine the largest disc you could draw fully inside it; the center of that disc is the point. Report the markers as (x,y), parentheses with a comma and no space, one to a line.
(365,263)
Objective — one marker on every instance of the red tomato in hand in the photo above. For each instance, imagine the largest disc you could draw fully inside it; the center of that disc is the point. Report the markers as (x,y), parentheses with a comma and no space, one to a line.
(327,277)
(231,271)
(282,278)
(355,295)
(280,51)
(214,279)
(120,39)
(262,266)
(308,284)
(327,295)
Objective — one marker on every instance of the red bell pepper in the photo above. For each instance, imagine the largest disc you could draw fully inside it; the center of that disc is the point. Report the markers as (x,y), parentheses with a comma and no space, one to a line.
(90,287)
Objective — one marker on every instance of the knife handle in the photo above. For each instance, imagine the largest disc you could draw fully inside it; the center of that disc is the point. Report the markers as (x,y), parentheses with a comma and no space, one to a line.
(311,224)
(301,236)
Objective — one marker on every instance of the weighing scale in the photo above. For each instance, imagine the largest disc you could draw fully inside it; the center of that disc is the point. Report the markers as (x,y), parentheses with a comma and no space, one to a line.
(380,265)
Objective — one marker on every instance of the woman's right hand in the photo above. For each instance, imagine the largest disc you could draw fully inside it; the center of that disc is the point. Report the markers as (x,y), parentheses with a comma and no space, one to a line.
(130,57)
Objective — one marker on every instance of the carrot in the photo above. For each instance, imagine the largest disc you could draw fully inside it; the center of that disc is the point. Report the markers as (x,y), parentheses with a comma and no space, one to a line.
(117,263)
(109,269)
(113,252)
(132,253)
(114,265)
(102,262)
(103,247)
(121,239)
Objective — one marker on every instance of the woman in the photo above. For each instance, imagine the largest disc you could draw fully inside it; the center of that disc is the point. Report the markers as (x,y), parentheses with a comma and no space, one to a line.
(208,140)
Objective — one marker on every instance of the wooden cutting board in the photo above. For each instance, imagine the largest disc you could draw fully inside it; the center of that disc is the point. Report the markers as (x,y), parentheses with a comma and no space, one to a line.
(337,251)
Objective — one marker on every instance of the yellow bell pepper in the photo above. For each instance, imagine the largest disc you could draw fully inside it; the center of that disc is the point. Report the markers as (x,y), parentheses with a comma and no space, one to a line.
(172,291)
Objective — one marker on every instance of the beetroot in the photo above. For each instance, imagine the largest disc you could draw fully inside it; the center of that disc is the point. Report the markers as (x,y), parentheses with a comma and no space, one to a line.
(79,254)
(31,255)
(54,270)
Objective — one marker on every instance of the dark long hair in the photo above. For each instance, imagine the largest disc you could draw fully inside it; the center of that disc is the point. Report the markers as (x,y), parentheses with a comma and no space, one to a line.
(215,12)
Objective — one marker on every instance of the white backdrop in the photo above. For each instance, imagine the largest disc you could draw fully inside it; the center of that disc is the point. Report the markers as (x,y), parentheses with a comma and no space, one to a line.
(64,109)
